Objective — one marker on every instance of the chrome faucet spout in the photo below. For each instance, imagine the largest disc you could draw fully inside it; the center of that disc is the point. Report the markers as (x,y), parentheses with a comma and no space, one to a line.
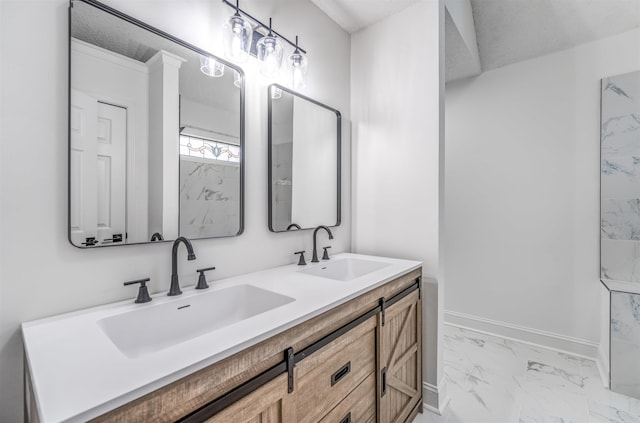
(175,284)
(314,259)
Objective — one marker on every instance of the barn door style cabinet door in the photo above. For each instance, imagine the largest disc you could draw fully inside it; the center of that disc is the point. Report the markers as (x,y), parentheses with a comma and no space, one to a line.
(400,352)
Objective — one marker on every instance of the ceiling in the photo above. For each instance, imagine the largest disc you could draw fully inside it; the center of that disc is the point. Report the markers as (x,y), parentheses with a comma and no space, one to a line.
(507,31)
(101,29)
(353,15)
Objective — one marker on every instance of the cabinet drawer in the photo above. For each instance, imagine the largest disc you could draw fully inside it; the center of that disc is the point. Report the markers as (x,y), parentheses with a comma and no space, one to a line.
(266,404)
(358,407)
(326,377)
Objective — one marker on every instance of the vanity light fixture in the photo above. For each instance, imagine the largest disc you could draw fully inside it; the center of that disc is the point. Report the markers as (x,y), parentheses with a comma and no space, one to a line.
(299,65)
(211,67)
(269,52)
(237,36)
(267,48)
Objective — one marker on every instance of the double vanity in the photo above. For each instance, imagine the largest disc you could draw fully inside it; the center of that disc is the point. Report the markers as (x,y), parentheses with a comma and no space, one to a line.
(337,341)
(156,154)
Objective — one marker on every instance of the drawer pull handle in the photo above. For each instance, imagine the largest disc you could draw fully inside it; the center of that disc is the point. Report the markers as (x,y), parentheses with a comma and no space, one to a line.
(347,418)
(342,372)
(383,377)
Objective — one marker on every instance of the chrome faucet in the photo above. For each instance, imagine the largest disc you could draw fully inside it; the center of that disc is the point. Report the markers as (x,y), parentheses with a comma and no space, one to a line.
(175,285)
(315,249)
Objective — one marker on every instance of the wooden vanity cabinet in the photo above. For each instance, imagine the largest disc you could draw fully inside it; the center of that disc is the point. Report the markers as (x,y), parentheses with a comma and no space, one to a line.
(358,362)
(401,360)
(267,404)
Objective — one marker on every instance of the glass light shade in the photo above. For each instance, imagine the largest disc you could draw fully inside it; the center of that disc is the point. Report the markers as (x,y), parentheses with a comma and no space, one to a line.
(237,35)
(298,65)
(211,67)
(276,93)
(270,53)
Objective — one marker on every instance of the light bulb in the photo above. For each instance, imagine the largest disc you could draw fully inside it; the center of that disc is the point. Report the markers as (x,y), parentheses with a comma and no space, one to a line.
(270,53)
(211,67)
(237,35)
(298,65)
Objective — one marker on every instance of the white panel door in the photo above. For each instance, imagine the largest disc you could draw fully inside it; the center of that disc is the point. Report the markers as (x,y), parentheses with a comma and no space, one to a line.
(111,171)
(98,170)
(83,204)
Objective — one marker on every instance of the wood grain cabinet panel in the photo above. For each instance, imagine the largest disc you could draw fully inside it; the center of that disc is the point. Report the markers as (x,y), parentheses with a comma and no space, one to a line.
(358,406)
(401,360)
(268,404)
(326,377)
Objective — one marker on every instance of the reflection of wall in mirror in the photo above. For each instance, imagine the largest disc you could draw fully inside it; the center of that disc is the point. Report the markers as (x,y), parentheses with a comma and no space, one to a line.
(314,169)
(114,79)
(281,162)
(221,124)
(620,178)
(164,108)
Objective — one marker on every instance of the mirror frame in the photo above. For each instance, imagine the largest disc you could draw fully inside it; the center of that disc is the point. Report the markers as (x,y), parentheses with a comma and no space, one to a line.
(116,13)
(270,154)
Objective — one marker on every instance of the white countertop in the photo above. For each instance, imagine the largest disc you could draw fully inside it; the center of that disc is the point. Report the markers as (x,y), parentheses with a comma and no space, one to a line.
(78,373)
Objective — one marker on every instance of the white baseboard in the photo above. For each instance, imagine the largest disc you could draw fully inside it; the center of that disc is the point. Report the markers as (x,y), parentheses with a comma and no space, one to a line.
(602,361)
(435,398)
(554,341)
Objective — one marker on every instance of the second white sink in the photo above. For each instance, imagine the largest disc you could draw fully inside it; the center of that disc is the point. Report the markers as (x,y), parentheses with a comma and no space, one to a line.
(345,269)
(156,327)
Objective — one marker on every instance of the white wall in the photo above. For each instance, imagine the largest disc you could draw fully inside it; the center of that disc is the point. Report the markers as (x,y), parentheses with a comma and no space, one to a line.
(522,194)
(396,97)
(41,274)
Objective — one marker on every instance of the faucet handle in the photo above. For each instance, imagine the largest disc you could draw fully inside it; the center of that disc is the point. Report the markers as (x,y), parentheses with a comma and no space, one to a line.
(143,293)
(202,281)
(301,262)
(325,255)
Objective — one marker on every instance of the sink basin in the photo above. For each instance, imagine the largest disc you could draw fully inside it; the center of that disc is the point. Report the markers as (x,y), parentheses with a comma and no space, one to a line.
(345,269)
(154,328)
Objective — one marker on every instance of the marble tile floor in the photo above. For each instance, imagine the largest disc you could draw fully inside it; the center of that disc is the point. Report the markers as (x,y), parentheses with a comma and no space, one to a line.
(496,380)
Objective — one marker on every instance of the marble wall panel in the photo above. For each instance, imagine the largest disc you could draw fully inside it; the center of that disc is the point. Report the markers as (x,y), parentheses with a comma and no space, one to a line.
(209,198)
(625,343)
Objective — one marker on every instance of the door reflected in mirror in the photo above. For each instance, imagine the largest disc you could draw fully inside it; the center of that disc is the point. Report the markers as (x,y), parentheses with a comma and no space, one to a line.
(304,162)
(155,136)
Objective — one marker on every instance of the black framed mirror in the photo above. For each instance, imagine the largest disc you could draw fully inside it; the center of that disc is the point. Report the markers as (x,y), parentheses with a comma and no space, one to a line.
(304,161)
(156,134)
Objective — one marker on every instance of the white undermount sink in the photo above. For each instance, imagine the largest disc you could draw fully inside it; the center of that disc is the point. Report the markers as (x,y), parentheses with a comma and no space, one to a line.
(344,269)
(156,327)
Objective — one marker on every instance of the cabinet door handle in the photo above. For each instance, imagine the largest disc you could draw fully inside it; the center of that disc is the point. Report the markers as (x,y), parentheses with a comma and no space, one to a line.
(347,418)
(383,378)
(342,372)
